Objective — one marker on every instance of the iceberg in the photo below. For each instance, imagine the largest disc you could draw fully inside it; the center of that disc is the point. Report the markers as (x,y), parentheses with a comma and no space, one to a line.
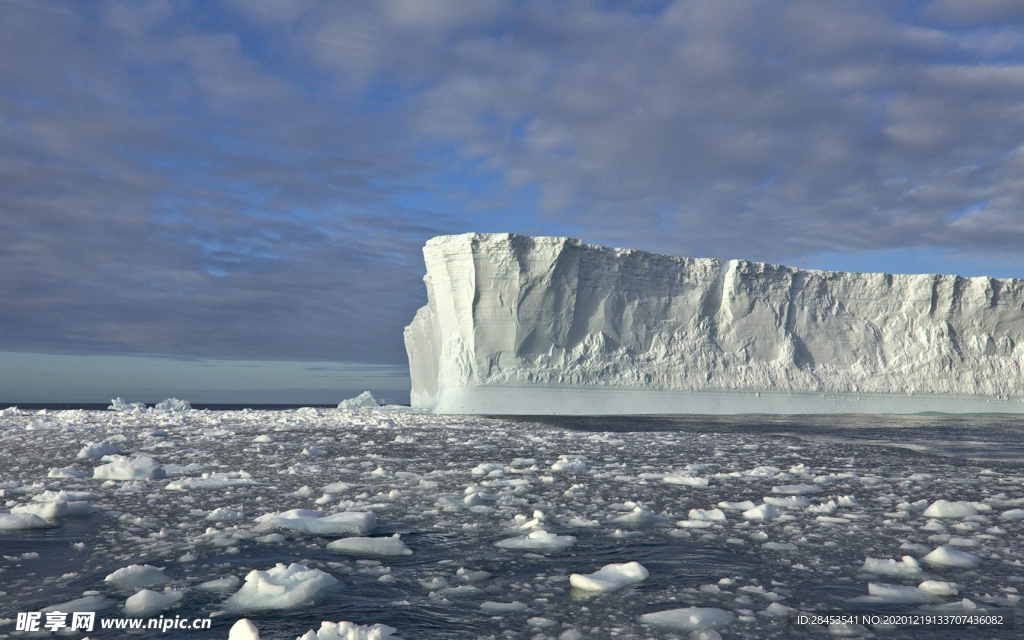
(537,325)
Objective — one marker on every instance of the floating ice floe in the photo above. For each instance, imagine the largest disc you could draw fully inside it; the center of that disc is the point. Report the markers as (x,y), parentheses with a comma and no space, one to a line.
(125,468)
(212,481)
(498,608)
(148,603)
(539,540)
(364,400)
(610,577)
(951,510)
(762,512)
(220,584)
(98,450)
(244,629)
(638,517)
(685,480)
(945,556)
(880,592)
(136,576)
(906,567)
(939,587)
(746,505)
(85,603)
(350,631)
(119,405)
(689,618)
(392,546)
(55,510)
(316,523)
(21,522)
(571,464)
(282,587)
(796,489)
(67,472)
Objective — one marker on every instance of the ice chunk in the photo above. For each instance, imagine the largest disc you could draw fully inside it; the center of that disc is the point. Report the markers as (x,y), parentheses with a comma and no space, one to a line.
(639,517)
(689,618)
(947,509)
(21,522)
(796,489)
(392,546)
(944,556)
(173,405)
(610,577)
(907,567)
(220,584)
(939,587)
(315,523)
(350,631)
(538,540)
(147,603)
(85,603)
(244,629)
(519,325)
(710,515)
(54,511)
(685,480)
(1013,514)
(763,512)
(571,464)
(878,591)
(282,587)
(212,481)
(124,468)
(364,400)
(67,472)
(118,404)
(98,450)
(136,576)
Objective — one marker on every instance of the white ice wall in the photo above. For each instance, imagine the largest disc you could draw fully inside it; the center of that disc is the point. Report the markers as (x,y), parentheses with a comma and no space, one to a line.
(520,312)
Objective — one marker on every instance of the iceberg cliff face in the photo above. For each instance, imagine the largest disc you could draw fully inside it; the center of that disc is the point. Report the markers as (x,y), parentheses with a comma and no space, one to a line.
(516,324)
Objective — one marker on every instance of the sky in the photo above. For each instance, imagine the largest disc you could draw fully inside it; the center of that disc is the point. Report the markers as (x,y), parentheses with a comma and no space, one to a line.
(226,200)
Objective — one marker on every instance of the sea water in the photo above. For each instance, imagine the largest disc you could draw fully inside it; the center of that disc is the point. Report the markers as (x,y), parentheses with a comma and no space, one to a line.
(754,517)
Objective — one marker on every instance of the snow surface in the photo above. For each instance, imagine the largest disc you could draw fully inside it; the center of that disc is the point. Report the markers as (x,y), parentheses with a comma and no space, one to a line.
(521,325)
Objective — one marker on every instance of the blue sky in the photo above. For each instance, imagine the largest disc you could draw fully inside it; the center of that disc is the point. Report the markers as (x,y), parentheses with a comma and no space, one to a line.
(227,200)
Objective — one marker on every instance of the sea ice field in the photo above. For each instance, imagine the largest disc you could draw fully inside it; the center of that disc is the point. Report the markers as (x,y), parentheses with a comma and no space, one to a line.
(364,522)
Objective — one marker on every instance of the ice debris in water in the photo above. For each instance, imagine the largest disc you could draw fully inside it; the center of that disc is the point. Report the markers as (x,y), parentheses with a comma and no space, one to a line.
(316,523)
(610,577)
(364,400)
(282,587)
(689,618)
(125,468)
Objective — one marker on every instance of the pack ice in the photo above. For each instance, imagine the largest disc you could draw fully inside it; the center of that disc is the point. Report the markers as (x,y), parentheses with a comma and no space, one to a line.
(524,325)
